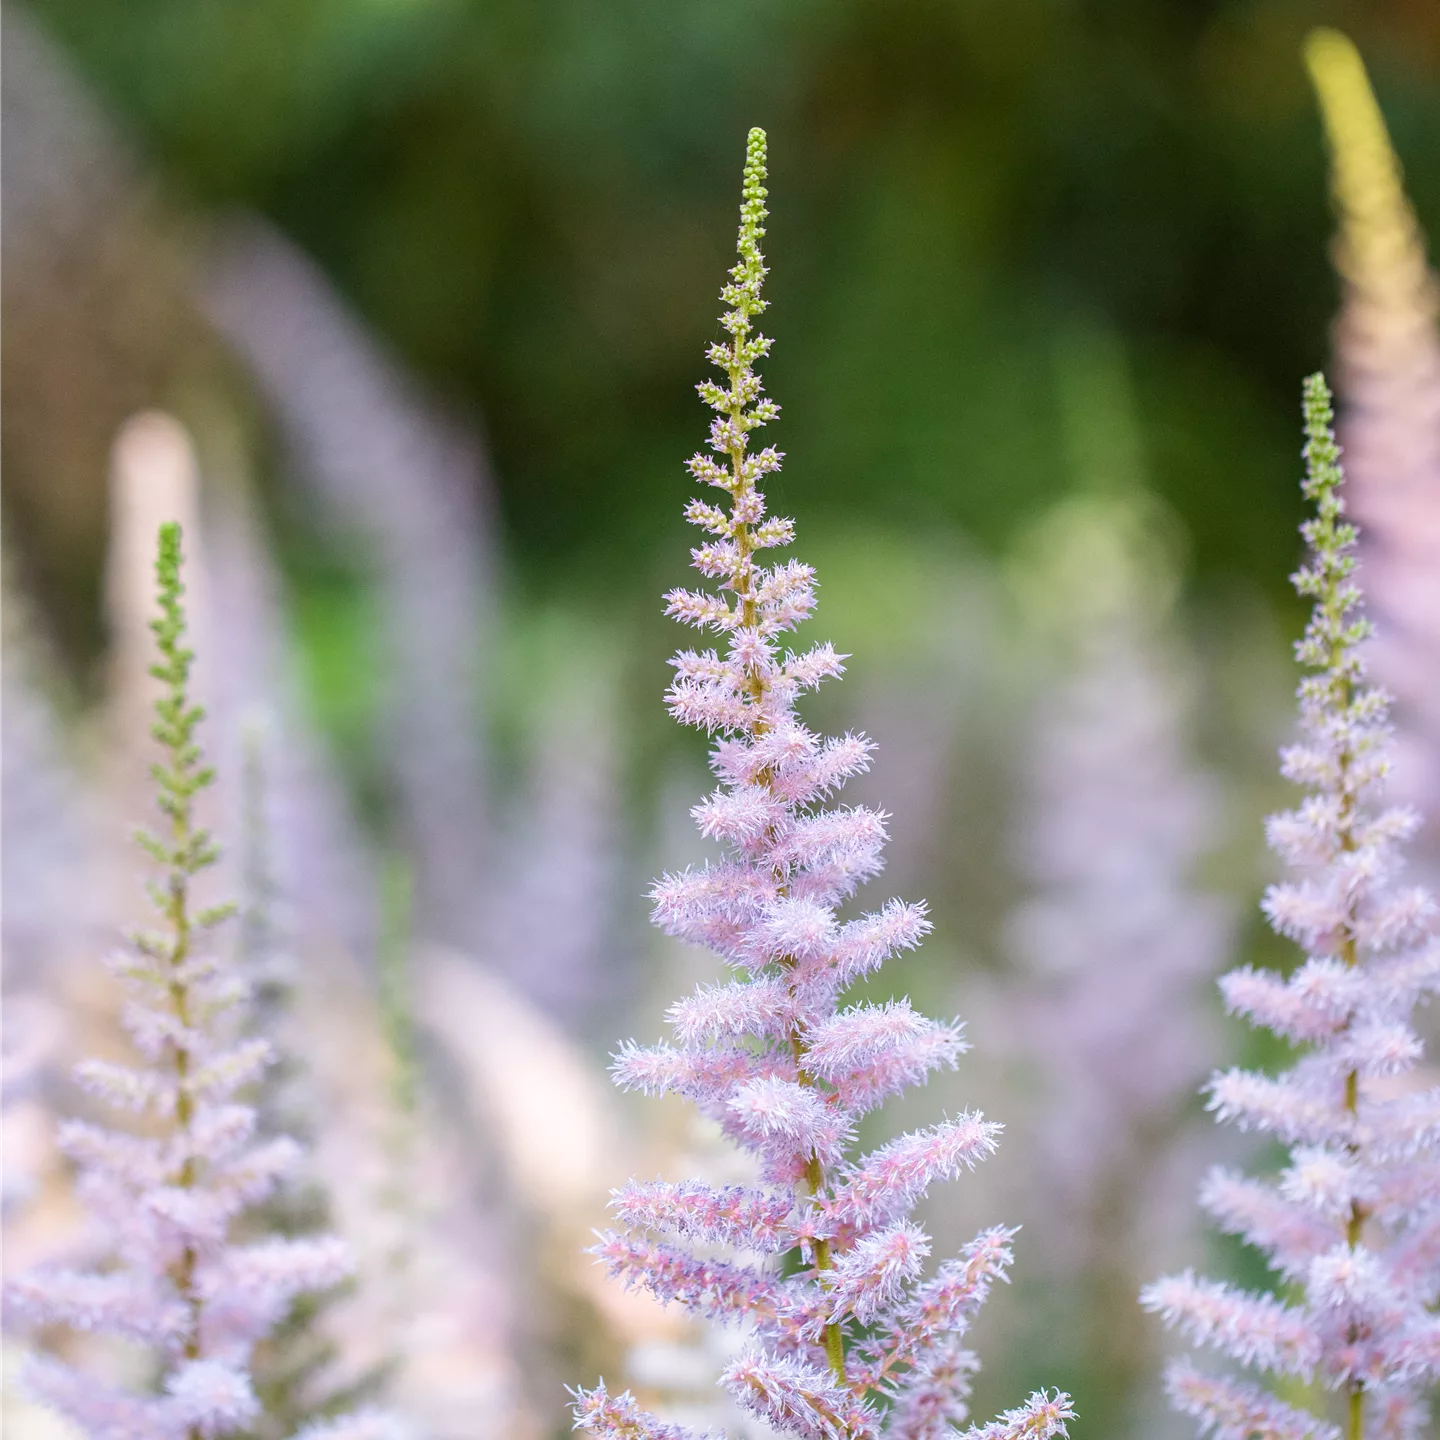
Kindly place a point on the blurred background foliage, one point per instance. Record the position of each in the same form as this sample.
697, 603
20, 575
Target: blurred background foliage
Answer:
533, 201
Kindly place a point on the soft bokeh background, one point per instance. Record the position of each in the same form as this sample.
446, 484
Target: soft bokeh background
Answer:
426, 286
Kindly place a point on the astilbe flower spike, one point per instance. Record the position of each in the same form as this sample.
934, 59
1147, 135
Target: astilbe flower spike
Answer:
849, 1328
292, 1367
1352, 1222
1114, 941
1387, 354
164, 1201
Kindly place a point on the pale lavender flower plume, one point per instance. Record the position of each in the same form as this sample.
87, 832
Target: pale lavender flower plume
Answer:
325, 875
51, 913
857, 1324
547, 928
165, 1198
408, 483
48, 817
1387, 354
1114, 943
30, 1027
69, 172
1351, 1224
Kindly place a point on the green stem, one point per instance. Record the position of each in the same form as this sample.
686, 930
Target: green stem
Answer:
1343, 697
833, 1335
178, 784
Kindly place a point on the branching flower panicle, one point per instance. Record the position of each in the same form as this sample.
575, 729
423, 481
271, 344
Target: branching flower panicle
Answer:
164, 1201
852, 1322
1352, 1222
1387, 354
1114, 942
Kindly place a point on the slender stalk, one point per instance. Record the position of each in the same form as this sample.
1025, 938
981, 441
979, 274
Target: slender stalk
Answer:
741, 489
179, 779
1333, 602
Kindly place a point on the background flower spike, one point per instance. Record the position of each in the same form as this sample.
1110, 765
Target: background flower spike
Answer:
164, 1201
1351, 1224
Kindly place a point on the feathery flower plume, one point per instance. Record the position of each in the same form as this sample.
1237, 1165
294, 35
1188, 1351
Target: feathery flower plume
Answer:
48, 816
165, 1199
1113, 943
1351, 1224
49, 867
828, 1270
558, 846
357, 424
293, 1366
323, 872
1387, 353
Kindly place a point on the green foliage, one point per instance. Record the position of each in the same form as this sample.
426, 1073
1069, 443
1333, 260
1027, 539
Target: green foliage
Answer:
524, 198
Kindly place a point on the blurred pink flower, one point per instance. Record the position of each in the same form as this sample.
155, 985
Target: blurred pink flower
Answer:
164, 1200
1387, 357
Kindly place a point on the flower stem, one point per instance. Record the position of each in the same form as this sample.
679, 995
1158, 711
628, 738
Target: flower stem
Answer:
748, 275
178, 780
1329, 644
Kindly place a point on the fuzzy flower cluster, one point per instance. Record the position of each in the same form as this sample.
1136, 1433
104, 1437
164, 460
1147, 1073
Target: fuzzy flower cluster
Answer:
1114, 947
1113, 940
1387, 348
1351, 1224
163, 1201
850, 1329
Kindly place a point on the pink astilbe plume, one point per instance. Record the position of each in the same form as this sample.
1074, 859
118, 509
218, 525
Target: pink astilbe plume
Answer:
356, 423
850, 1329
1114, 945
1351, 1223
1387, 354
163, 1200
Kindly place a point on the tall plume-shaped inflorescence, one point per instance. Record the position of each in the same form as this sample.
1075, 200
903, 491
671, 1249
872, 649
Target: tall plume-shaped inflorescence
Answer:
845, 1323
1351, 1225
356, 423
1387, 353
1114, 944
164, 1201
293, 1368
